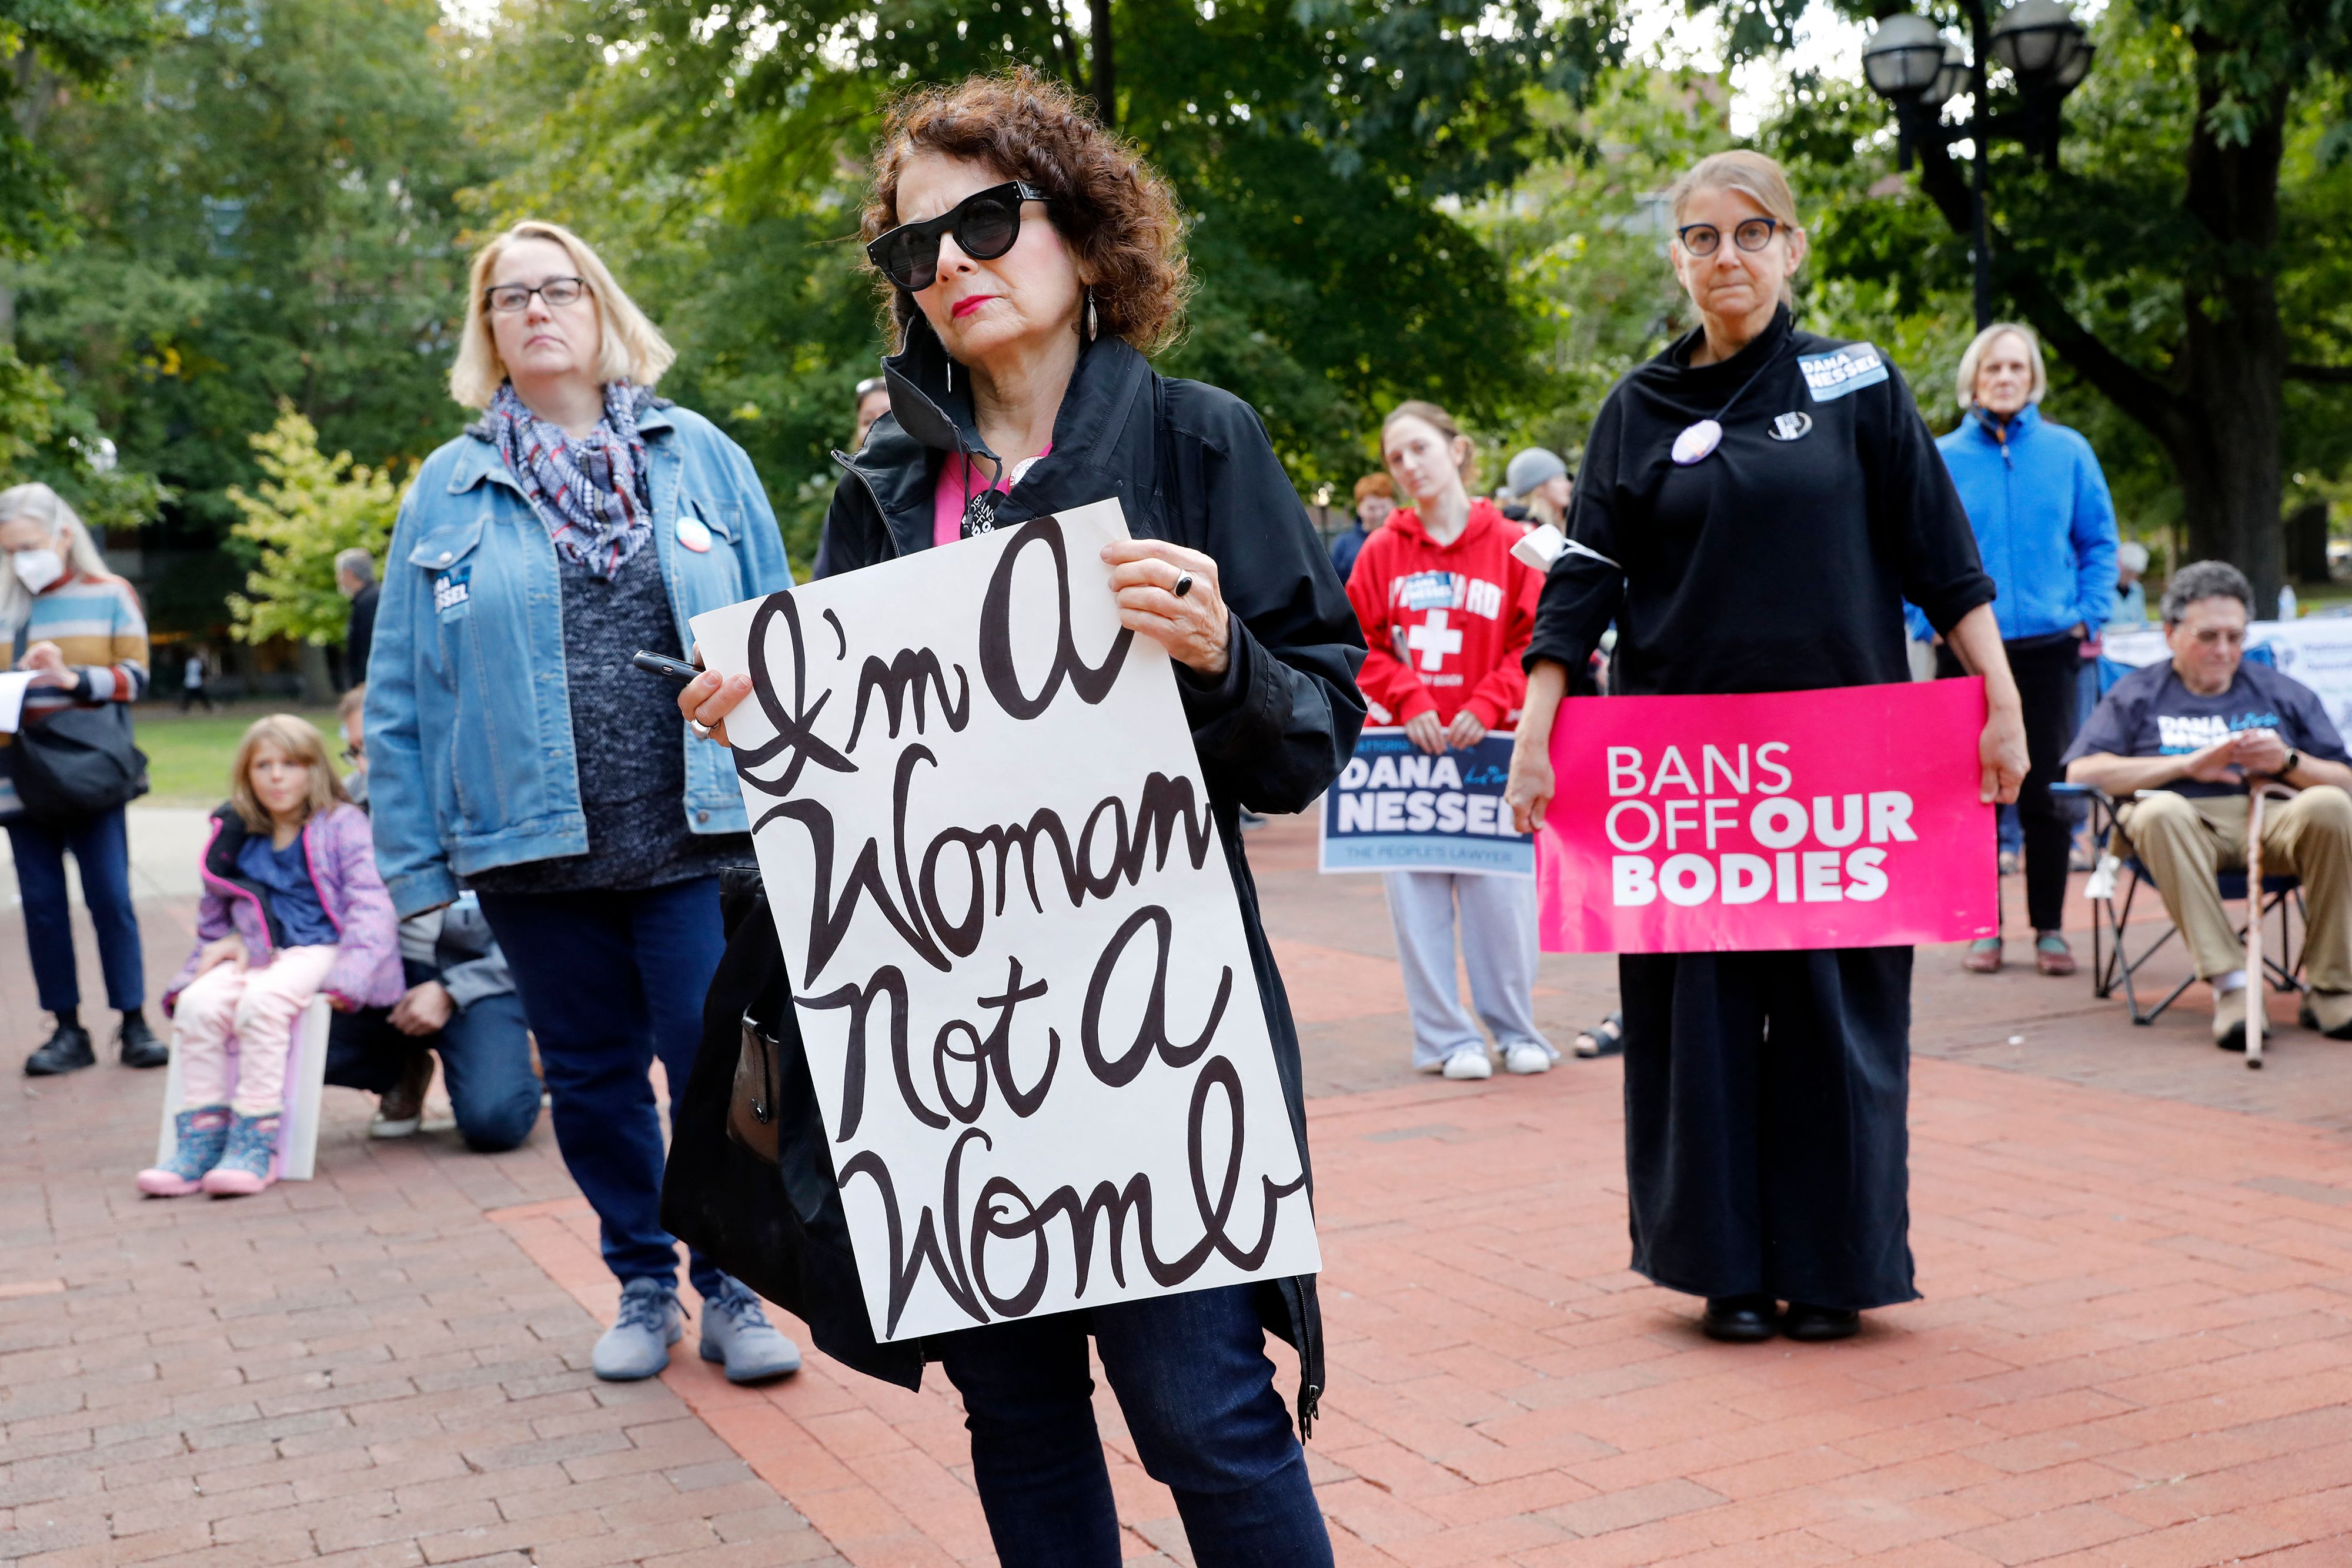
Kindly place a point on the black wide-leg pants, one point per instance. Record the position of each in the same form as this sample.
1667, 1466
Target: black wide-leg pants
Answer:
2049, 673
1767, 1145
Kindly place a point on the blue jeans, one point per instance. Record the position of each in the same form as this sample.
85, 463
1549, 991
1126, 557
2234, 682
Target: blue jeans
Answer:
610, 981
485, 1062
101, 848
1197, 1390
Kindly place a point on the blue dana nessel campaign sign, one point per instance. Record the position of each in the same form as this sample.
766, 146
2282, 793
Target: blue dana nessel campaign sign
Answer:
1397, 808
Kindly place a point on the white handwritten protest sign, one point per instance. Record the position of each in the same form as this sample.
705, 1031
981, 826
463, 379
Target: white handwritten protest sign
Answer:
1014, 946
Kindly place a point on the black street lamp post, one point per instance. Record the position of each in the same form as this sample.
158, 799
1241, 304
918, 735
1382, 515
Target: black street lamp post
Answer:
1911, 66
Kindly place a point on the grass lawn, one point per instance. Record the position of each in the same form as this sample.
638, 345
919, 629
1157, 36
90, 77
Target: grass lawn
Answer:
188, 754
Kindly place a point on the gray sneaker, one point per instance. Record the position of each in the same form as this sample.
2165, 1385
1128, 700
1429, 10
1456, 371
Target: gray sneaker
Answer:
736, 1331
637, 1344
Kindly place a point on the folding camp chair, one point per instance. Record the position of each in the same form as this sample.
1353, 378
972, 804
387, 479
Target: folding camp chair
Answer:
2113, 965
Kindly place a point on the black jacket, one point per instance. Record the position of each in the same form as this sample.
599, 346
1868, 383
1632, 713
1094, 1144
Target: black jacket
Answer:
359, 633
1779, 561
1187, 464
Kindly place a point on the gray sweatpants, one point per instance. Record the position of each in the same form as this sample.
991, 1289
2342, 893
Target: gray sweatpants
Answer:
1498, 944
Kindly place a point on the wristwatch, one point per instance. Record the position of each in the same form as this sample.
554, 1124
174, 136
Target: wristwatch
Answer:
2294, 762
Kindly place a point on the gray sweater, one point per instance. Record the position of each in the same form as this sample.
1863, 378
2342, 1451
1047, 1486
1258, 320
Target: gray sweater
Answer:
630, 747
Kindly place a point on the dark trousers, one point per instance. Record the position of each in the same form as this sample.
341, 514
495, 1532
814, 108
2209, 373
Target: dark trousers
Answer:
1194, 1384
2049, 672
485, 1053
1767, 1146
101, 849
611, 980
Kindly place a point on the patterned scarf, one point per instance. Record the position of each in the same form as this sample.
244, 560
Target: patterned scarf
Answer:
592, 491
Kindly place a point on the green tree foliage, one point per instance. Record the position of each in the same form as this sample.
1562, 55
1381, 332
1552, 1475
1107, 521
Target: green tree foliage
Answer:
53, 48
310, 508
2185, 263
267, 213
1584, 240
716, 149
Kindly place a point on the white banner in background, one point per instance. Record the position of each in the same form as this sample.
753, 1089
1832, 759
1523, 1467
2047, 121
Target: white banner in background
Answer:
2315, 650
1015, 944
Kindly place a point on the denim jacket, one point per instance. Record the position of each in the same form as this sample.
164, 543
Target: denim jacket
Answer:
469, 722
2043, 521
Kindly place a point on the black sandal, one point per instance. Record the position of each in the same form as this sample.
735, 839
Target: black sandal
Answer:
1606, 1038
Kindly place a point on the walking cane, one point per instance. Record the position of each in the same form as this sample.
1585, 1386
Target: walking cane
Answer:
2257, 788
2254, 1019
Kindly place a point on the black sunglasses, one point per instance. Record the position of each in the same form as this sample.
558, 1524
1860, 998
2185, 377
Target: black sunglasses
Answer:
985, 223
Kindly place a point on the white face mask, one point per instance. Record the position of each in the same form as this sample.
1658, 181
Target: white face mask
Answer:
37, 568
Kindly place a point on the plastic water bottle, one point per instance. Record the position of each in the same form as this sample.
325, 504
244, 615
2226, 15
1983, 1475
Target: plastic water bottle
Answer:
2288, 607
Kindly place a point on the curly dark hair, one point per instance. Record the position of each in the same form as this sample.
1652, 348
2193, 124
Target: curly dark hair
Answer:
1117, 216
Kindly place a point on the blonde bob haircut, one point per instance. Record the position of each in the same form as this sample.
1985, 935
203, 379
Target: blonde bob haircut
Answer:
633, 350
1964, 383
299, 742
1754, 176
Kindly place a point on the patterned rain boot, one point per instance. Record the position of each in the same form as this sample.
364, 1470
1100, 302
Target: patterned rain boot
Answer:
250, 1162
201, 1133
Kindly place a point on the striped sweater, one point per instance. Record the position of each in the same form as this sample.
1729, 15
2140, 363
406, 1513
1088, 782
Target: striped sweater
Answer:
97, 624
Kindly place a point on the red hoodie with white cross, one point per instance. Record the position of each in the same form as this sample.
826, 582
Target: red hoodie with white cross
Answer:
1447, 624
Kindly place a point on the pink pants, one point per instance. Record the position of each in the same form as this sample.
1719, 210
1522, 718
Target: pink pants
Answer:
251, 1013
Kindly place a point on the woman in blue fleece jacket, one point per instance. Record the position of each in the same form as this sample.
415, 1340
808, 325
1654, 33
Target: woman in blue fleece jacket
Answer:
2046, 529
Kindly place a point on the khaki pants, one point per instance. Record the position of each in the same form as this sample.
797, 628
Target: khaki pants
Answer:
2186, 842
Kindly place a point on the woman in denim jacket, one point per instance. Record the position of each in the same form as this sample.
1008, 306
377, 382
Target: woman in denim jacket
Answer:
513, 750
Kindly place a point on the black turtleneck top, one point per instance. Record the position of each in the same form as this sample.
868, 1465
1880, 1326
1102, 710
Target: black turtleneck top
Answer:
1781, 560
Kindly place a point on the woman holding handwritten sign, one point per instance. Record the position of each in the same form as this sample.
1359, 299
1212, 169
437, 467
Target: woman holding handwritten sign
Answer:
1756, 505
1028, 258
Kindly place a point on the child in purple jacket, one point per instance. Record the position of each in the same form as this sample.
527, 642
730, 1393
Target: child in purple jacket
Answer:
292, 909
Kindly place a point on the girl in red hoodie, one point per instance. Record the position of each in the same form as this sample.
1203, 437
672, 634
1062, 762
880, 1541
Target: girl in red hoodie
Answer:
1447, 613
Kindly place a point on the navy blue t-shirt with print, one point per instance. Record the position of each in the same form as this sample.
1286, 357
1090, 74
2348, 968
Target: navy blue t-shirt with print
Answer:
2150, 713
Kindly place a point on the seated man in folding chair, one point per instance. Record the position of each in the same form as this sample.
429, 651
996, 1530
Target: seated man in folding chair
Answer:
2191, 731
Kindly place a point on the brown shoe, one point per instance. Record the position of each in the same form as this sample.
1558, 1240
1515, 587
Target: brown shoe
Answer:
2050, 953
401, 1109
1983, 957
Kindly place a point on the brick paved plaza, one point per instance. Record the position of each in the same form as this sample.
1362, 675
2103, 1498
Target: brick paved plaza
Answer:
2135, 1346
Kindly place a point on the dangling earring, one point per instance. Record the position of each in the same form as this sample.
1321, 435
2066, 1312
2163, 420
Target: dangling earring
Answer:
1093, 329
950, 375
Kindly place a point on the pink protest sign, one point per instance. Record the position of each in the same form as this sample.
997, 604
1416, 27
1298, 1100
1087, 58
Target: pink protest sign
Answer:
1846, 818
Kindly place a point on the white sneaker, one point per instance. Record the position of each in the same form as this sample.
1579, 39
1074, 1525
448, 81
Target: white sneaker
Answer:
1528, 1057
1470, 1062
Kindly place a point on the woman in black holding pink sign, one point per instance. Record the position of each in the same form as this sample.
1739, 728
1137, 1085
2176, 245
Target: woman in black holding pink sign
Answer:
1756, 505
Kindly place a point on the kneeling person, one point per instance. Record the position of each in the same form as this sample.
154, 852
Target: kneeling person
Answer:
2192, 730
460, 1002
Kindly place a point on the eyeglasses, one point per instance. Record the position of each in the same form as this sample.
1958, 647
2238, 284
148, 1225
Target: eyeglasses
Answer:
2220, 636
985, 223
1751, 234
506, 298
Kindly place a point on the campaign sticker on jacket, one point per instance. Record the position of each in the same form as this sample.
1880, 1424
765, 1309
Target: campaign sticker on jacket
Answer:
1016, 951
453, 589
1396, 807
1843, 818
1841, 370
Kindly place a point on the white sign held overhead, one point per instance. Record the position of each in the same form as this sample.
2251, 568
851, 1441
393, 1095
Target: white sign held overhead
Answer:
1016, 953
